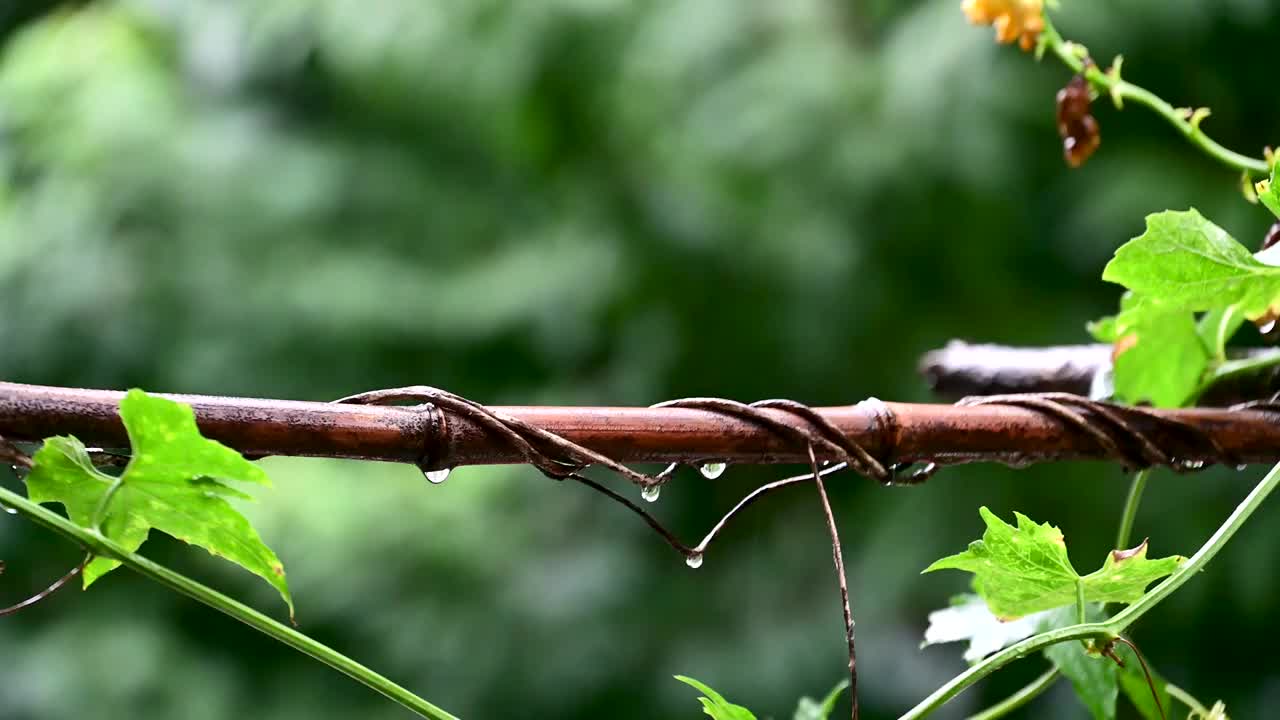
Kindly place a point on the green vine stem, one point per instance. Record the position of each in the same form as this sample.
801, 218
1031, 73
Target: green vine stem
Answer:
1244, 366
95, 543
1120, 90
1015, 701
1131, 503
1113, 627
1185, 698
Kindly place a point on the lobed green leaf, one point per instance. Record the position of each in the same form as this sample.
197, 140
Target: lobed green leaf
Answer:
173, 483
1025, 569
1186, 262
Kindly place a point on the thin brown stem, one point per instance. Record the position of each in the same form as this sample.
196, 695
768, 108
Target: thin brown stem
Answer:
11, 454
652, 522
838, 556
1146, 671
758, 493
49, 590
702, 546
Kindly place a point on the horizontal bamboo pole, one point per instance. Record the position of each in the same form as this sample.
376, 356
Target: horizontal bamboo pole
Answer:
905, 433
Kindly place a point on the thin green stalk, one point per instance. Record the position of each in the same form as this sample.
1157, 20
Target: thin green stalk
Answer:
1113, 627
1185, 698
1017, 651
1212, 547
1080, 606
1130, 511
1028, 693
95, 543
1244, 366
1120, 90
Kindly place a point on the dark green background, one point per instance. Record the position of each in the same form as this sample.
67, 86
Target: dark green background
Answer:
596, 202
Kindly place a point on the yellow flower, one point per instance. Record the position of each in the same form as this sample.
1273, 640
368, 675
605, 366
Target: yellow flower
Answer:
1020, 20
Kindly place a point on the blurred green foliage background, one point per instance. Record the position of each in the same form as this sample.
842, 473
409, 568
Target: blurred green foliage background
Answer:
595, 202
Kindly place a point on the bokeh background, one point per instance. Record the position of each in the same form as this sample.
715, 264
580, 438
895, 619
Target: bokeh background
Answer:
589, 202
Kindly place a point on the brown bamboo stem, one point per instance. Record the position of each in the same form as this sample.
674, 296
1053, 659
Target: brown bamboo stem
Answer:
914, 432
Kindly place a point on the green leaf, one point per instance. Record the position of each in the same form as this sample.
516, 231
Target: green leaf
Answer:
714, 704
810, 709
172, 483
1133, 682
1104, 329
1186, 262
1093, 677
1269, 191
1160, 358
1160, 353
1023, 570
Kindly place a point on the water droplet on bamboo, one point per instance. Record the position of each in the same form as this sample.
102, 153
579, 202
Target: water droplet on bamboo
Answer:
435, 477
924, 473
693, 560
711, 471
651, 493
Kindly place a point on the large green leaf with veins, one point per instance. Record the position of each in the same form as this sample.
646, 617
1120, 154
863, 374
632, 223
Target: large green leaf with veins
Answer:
173, 483
1025, 569
1188, 263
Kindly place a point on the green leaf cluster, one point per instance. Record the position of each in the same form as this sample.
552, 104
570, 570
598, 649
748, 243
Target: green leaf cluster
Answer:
1181, 266
1025, 569
174, 482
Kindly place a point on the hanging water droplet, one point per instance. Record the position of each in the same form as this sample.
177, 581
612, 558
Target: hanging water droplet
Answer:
1192, 464
651, 493
1267, 327
435, 477
8, 509
1241, 467
924, 473
712, 470
693, 560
